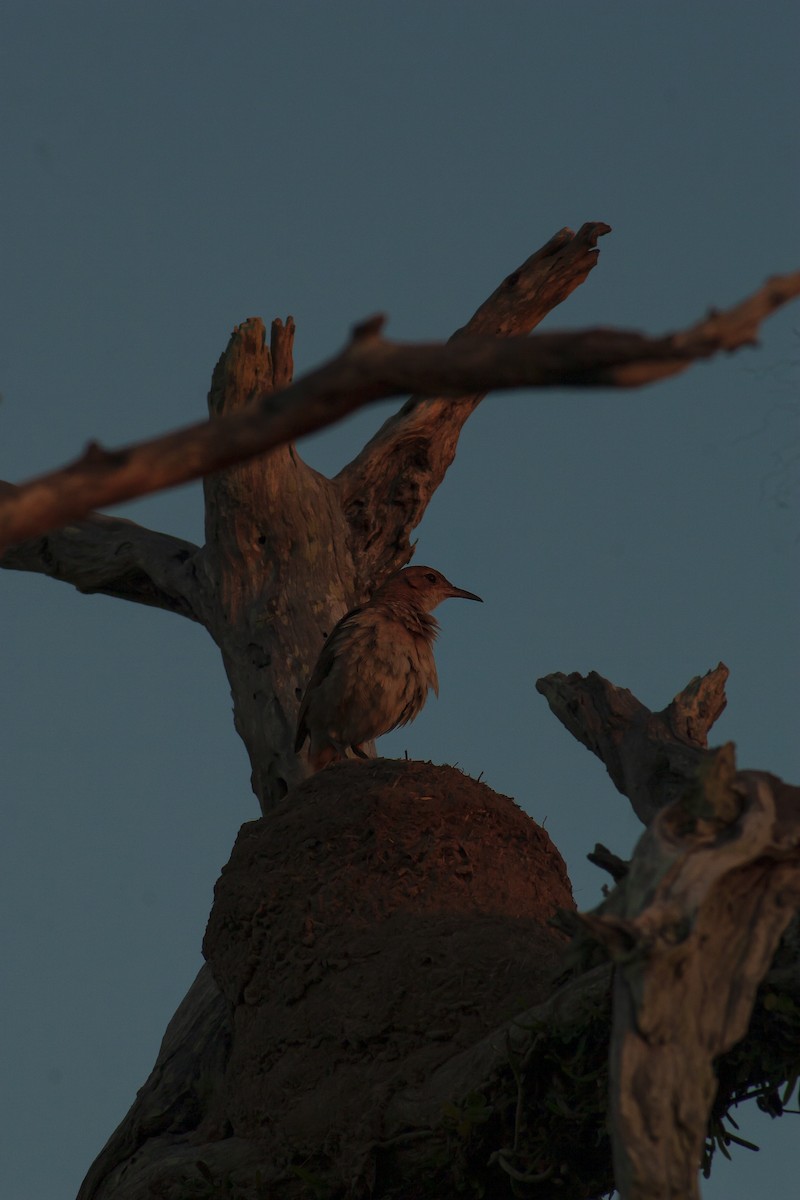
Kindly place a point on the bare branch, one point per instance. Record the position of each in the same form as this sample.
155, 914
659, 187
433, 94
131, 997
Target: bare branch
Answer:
652, 758
387, 487
369, 369
114, 557
693, 929
604, 858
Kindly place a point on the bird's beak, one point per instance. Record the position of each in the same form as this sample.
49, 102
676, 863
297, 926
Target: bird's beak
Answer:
455, 592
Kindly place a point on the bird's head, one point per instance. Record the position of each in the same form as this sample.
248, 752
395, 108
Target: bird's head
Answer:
422, 587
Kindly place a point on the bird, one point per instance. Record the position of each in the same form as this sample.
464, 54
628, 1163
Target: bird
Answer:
376, 667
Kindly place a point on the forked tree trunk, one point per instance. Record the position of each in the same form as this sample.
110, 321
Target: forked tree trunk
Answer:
378, 1013
277, 565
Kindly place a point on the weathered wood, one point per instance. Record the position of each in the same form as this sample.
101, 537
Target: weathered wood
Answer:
692, 929
282, 560
651, 757
407, 459
287, 552
369, 369
700, 925
695, 922
276, 563
114, 557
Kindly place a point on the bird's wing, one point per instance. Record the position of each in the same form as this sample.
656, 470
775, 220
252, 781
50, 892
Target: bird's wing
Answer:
322, 669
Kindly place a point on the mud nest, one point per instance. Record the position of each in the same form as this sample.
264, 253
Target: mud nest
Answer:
385, 916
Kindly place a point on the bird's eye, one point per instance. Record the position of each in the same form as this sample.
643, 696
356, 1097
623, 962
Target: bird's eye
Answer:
431, 578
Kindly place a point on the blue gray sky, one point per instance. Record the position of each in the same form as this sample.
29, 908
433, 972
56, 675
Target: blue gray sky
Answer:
171, 168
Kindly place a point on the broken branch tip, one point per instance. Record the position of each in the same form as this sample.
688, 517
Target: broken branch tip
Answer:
369, 328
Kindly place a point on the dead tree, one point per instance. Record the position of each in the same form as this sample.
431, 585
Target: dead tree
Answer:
301, 1060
